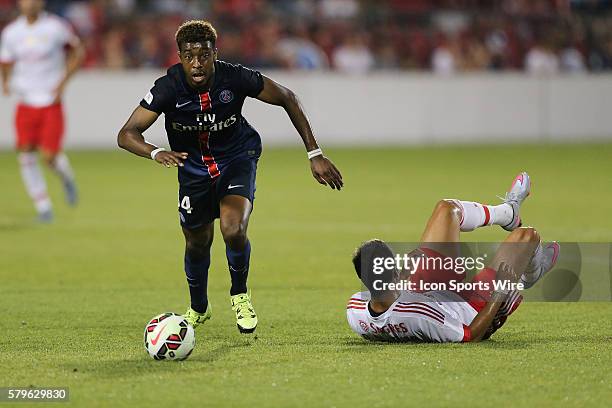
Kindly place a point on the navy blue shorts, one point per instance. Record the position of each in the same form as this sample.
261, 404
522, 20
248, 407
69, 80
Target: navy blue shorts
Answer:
199, 205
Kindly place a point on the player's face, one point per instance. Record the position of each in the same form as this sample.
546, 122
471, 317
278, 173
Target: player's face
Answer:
31, 7
198, 60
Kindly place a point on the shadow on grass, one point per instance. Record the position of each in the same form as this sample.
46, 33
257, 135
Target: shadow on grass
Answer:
359, 345
143, 365
9, 225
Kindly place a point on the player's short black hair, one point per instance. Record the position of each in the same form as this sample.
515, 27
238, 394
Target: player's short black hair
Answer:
195, 31
363, 261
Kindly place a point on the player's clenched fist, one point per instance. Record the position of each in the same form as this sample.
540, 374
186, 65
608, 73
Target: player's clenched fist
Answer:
171, 159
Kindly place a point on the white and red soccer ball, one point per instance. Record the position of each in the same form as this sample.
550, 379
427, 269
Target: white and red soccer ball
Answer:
168, 336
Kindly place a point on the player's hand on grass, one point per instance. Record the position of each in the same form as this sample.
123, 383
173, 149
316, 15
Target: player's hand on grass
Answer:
324, 171
171, 159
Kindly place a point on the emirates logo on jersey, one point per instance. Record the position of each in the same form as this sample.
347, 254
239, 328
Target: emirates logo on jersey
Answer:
364, 326
226, 96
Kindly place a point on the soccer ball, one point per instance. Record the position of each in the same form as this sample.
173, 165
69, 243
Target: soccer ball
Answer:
168, 336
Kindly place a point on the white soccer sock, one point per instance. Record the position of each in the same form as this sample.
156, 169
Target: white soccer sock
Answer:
34, 181
61, 165
475, 215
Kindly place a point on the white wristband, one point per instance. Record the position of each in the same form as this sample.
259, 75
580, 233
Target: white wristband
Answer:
314, 153
154, 152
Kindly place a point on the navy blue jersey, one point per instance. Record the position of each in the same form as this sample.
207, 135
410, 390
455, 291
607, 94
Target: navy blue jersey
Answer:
209, 126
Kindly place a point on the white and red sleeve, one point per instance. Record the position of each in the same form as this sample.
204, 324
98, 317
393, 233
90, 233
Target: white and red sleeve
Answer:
356, 313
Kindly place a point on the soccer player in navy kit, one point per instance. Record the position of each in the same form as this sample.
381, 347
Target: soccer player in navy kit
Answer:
216, 152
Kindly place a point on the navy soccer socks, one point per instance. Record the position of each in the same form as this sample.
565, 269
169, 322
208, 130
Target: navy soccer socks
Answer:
196, 269
238, 262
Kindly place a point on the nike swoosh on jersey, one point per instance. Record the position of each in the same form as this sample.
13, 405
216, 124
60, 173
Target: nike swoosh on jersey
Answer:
237, 185
182, 104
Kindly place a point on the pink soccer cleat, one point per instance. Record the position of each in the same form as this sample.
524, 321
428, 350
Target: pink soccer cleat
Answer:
537, 268
519, 191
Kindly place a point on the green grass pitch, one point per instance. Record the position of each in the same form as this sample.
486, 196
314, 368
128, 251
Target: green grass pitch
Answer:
75, 295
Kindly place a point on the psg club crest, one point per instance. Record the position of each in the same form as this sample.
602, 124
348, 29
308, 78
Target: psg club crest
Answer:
226, 96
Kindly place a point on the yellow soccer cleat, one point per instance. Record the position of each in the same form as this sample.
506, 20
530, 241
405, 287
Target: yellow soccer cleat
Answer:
246, 319
195, 319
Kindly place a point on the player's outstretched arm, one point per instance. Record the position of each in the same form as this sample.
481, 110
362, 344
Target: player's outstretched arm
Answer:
484, 318
131, 139
323, 170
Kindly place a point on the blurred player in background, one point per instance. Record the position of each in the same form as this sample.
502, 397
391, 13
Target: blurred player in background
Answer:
38, 54
216, 150
442, 315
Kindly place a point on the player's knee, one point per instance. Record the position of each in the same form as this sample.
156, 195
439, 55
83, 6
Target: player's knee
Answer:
198, 243
446, 208
26, 149
196, 249
234, 233
525, 234
49, 159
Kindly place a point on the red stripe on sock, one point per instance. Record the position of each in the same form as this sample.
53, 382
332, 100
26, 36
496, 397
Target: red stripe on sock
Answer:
487, 215
467, 334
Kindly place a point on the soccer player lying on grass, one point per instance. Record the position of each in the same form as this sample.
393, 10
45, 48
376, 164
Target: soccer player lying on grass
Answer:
383, 313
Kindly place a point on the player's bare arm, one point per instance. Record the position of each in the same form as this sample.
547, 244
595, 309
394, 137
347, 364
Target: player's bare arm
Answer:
6, 68
5, 71
323, 170
74, 58
484, 318
131, 138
